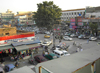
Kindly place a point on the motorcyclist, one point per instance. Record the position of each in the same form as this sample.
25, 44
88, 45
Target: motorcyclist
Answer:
17, 63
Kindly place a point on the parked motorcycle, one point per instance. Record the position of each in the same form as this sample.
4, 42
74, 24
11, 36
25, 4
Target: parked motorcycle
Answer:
16, 64
32, 61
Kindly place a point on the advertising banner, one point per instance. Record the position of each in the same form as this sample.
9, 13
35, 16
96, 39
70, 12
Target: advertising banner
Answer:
80, 24
72, 20
72, 23
16, 36
79, 19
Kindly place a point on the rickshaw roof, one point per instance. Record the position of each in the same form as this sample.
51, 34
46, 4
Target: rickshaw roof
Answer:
10, 65
1, 69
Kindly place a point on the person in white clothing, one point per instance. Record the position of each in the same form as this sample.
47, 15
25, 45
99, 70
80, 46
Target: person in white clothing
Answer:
81, 49
78, 49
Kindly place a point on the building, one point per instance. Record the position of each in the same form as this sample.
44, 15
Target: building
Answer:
25, 18
7, 17
68, 14
92, 12
17, 42
87, 61
24, 69
0, 19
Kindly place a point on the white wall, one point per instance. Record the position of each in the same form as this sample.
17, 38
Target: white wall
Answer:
71, 14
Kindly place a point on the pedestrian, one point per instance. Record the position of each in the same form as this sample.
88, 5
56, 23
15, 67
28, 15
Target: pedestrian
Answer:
77, 49
87, 41
81, 49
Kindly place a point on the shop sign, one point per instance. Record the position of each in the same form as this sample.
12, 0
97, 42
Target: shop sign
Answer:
72, 20
72, 23
80, 24
16, 40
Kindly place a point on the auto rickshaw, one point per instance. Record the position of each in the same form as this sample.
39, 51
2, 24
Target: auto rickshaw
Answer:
1, 70
9, 67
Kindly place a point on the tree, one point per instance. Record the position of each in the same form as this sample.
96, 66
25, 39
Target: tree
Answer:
47, 14
93, 27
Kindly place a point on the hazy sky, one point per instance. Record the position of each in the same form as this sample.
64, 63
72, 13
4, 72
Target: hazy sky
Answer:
31, 5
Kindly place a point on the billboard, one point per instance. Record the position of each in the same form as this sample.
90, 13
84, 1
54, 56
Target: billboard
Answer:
79, 19
72, 20
16, 38
72, 23
80, 24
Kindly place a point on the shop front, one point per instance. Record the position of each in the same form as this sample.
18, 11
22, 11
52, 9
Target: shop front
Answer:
26, 51
6, 51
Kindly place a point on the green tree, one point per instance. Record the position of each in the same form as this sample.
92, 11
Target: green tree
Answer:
47, 14
93, 27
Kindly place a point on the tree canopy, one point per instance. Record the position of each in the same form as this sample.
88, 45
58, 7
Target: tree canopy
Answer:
93, 27
47, 14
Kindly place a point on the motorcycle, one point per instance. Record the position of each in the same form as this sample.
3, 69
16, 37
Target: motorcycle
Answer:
32, 61
16, 64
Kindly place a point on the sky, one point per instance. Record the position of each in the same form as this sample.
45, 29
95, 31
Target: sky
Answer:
31, 5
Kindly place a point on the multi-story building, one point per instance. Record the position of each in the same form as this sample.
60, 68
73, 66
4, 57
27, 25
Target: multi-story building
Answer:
7, 17
0, 18
68, 14
24, 18
92, 12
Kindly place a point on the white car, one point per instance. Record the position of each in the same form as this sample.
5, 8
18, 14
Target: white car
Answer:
92, 39
46, 42
72, 35
67, 38
47, 32
65, 53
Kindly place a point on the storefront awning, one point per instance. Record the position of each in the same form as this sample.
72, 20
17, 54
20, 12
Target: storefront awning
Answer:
6, 47
33, 46
21, 48
26, 43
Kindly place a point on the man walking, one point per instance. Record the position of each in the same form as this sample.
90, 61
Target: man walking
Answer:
87, 41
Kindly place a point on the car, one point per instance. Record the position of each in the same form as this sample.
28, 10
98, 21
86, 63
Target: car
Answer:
46, 42
39, 58
65, 53
67, 34
51, 56
46, 36
73, 35
67, 38
92, 38
81, 36
47, 32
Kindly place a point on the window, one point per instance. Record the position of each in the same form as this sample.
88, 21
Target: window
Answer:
7, 33
75, 13
72, 13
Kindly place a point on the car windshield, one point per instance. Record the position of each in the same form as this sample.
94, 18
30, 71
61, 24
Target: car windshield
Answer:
42, 59
62, 54
66, 37
66, 52
45, 43
57, 46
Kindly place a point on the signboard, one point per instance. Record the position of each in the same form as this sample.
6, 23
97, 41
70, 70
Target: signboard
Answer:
80, 24
16, 38
72, 20
72, 23
80, 20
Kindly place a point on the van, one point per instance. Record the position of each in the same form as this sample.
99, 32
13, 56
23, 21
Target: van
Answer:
65, 53
58, 53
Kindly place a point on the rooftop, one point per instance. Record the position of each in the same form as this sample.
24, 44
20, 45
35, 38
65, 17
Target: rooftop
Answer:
73, 9
73, 62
